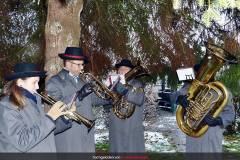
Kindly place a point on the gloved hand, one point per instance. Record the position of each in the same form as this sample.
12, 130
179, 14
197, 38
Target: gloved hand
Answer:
212, 122
85, 91
120, 88
182, 100
57, 110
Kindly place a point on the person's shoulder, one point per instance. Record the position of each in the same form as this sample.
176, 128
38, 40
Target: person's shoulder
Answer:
4, 100
59, 77
5, 104
53, 80
185, 86
137, 83
54, 77
8, 110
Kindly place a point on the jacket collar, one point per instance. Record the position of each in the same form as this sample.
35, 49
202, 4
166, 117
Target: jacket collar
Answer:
28, 94
66, 77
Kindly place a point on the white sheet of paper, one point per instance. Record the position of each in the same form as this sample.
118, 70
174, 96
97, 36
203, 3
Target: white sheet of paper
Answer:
185, 74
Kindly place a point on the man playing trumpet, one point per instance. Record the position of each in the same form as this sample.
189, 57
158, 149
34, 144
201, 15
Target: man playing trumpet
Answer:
62, 87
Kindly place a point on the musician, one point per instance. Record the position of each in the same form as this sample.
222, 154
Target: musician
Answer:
211, 141
127, 135
24, 125
62, 87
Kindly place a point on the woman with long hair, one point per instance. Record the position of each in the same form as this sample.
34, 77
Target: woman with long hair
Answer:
25, 127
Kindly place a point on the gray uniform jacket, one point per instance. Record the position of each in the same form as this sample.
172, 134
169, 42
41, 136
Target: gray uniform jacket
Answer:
25, 130
76, 139
211, 141
127, 135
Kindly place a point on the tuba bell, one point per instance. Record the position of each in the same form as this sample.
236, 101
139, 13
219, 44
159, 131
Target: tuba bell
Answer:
205, 97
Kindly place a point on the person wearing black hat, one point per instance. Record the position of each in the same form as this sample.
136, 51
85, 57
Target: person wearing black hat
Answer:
62, 87
211, 141
127, 135
24, 125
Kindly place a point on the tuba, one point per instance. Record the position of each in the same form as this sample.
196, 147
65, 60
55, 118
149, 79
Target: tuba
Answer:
72, 115
205, 97
121, 108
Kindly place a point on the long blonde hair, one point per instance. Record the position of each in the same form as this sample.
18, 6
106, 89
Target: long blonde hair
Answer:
14, 92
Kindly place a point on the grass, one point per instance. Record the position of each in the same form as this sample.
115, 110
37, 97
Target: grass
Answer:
232, 142
231, 145
102, 147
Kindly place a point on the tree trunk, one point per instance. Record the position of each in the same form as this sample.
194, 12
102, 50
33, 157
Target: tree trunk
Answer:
62, 29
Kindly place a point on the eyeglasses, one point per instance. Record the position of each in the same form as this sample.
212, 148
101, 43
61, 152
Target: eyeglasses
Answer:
79, 65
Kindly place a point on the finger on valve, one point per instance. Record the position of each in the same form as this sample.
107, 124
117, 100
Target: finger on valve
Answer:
73, 107
57, 110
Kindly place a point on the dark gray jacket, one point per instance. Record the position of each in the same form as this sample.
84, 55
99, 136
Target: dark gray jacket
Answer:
127, 135
76, 139
26, 130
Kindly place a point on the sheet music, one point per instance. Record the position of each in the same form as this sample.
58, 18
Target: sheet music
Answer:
185, 74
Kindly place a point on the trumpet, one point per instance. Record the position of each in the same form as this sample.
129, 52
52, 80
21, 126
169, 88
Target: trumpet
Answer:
71, 115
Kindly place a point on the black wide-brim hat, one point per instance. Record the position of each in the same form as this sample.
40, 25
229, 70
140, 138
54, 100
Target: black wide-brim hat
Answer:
74, 53
125, 62
22, 70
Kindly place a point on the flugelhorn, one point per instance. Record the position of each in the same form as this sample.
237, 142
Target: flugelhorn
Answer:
71, 115
121, 108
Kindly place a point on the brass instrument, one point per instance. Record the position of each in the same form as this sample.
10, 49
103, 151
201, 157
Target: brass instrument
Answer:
205, 97
121, 107
136, 72
100, 89
71, 115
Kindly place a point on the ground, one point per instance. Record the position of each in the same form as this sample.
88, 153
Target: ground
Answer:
161, 132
